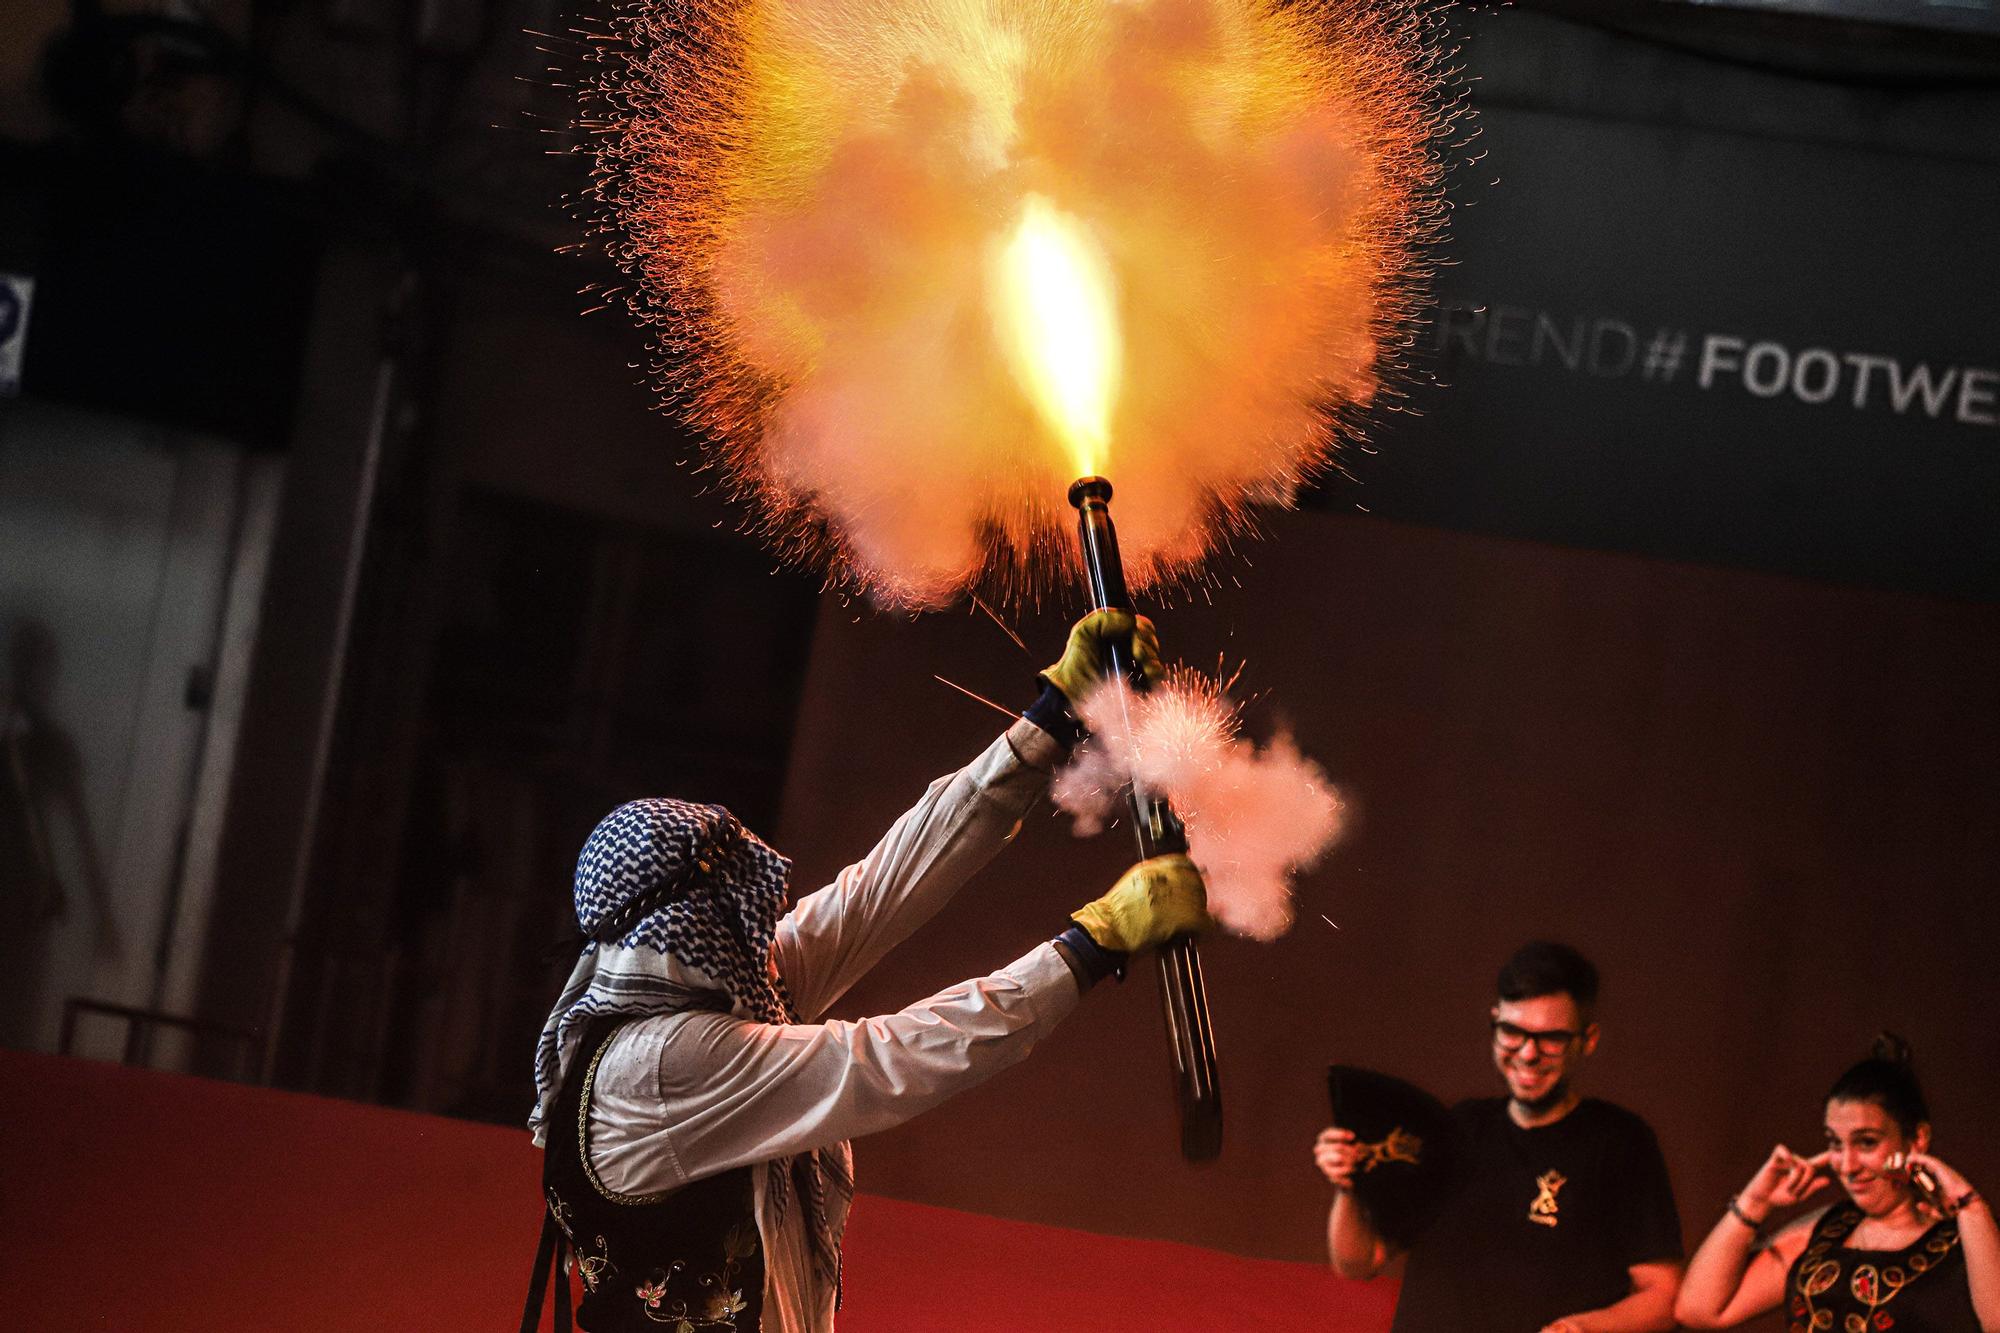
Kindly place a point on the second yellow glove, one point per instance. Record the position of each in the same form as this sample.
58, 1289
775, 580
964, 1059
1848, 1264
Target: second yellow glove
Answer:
1153, 902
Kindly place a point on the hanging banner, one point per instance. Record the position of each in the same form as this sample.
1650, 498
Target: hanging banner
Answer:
1768, 353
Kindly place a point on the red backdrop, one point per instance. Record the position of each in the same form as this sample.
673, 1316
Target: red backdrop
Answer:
133, 1200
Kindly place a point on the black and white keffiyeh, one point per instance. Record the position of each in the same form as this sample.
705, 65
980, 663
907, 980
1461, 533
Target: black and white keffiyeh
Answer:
706, 946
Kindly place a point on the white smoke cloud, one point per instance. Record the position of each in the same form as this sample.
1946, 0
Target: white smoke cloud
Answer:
1256, 816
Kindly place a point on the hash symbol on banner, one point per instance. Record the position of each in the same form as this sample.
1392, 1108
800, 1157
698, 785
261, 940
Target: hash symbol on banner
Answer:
15, 292
1663, 354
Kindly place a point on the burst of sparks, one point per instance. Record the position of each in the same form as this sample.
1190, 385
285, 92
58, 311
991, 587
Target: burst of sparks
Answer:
831, 209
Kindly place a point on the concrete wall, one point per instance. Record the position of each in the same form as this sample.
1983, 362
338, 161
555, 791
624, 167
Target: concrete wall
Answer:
121, 545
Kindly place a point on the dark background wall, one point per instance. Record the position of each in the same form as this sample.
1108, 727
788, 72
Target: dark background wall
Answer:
1705, 309
1699, 671
1766, 807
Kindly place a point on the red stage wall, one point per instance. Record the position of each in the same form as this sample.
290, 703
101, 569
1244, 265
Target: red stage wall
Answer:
139, 1201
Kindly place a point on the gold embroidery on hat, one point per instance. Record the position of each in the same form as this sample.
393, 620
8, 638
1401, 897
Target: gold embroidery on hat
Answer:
1398, 1146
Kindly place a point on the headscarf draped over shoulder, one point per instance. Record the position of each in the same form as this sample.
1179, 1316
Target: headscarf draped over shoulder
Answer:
695, 900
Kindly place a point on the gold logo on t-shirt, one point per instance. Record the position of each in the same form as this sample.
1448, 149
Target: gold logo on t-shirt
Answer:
1542, 1211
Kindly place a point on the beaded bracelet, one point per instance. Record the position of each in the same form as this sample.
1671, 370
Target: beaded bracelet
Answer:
1736, 1211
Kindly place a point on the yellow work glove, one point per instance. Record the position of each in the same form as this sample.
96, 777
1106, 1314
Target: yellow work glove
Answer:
1083, 666
1154, 901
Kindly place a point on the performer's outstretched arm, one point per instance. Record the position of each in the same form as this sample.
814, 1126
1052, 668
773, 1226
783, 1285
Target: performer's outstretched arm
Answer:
732, 1091
830, 939
687, 1095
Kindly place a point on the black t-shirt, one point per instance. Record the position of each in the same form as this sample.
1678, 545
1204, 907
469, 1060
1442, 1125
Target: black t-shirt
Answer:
1546, 1223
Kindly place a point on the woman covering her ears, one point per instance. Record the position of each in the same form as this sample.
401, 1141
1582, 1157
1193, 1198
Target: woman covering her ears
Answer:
1910, 1248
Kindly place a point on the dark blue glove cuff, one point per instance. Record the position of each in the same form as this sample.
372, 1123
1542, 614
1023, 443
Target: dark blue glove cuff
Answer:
1097, 961
1051, 712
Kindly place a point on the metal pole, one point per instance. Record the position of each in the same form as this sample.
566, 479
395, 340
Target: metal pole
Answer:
1183, 995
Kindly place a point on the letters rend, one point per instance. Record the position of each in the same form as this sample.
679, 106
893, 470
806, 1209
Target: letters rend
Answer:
1507, 335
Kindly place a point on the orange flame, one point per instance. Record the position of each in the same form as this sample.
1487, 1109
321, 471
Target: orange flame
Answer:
916, 264
1054, 306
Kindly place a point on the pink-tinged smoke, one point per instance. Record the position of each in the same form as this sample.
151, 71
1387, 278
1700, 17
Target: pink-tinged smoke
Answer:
811, 198
1255, 816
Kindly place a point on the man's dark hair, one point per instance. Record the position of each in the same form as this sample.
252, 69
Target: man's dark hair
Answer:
1887, 1079
1544, 968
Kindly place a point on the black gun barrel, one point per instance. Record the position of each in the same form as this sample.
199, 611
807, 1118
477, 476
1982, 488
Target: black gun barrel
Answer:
1183, 994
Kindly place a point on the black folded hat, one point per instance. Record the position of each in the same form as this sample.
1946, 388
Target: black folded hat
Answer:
1414, 1150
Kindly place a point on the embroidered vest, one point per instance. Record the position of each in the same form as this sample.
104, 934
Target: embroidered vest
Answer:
687, 1260
1919, 1289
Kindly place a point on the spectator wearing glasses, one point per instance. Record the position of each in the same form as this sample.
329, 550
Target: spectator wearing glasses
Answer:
1564, 1221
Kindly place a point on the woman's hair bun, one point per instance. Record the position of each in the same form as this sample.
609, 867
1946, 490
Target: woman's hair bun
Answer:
1891, 1049
1886, 1079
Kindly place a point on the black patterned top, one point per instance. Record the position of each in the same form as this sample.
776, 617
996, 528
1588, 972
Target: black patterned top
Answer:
1921, 1288
686, 1261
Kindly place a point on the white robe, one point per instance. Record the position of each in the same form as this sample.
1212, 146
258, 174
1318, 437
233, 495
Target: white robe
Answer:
686, 1095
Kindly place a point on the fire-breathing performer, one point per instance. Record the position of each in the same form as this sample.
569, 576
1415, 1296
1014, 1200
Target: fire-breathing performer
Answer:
694, 1103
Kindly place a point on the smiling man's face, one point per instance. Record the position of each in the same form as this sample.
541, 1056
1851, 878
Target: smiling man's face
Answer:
1538, 1044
